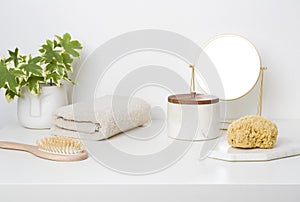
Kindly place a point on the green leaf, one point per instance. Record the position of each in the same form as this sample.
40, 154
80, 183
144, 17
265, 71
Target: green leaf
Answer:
55, 68
32, 67
66, 58
70, 46
10, 95
55, 78
7, 77
51, 67
19, 75
23, 58
8, 59
68, 68
56, 44
60, 69
34, 60
50, 53
14, 55
76, 45
67, 78
34, 84
23, 82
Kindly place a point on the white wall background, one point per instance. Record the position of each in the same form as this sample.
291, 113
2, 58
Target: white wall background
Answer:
273, 26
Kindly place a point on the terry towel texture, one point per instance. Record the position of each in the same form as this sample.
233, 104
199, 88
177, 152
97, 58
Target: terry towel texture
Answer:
107, 116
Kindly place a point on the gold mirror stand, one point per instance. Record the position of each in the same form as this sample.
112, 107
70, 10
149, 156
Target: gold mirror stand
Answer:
192, 84
260, 96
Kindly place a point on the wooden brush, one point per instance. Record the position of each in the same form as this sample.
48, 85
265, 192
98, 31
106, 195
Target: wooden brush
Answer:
56, 148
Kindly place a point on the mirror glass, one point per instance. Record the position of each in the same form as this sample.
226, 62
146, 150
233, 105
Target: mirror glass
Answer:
237, 62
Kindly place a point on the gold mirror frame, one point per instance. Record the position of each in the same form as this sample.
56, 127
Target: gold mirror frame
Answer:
260, 76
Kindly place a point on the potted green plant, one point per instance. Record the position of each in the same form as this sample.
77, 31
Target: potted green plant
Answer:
36, 81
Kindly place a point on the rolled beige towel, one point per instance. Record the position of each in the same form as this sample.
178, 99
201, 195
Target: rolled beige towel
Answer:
107, 116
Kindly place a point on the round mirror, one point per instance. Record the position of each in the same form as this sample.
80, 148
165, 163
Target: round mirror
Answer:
237, 62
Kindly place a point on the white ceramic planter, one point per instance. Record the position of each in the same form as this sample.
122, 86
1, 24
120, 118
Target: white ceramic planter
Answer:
193, 118
36, 111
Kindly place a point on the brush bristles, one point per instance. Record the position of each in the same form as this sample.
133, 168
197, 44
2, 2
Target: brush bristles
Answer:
60, 145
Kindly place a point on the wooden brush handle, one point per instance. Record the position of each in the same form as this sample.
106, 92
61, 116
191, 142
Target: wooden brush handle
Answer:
16, 146
42, 154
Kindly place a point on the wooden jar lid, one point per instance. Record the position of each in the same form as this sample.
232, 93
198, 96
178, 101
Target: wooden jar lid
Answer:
197, 99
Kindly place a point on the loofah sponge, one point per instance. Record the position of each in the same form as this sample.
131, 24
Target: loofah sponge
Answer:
252, 132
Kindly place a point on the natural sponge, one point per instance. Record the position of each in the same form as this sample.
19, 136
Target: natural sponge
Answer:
252, 132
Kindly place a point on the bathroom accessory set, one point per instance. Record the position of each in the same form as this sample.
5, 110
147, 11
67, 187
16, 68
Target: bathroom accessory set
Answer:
238, 64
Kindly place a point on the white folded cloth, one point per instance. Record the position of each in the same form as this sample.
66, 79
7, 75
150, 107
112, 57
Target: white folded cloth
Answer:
107, 116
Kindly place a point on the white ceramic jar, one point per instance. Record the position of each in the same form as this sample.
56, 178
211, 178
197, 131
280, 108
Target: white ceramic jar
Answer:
193, 117
36, 111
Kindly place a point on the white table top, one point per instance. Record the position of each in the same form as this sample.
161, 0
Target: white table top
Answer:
20, 168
